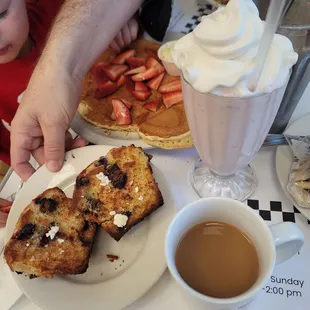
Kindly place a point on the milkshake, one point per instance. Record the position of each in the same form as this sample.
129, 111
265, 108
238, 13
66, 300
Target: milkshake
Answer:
228, 117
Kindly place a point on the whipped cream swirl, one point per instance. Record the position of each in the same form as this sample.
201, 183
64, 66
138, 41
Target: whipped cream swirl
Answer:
219, 55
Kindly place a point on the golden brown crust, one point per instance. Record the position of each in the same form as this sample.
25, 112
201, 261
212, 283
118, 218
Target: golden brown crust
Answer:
133, 191
31, 252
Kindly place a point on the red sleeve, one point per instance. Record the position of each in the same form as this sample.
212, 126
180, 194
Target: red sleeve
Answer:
14, 76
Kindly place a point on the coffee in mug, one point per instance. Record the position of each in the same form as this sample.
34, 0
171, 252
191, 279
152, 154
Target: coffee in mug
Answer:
217, 259
223, 241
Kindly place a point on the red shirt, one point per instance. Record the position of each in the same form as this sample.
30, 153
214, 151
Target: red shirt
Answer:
14, 76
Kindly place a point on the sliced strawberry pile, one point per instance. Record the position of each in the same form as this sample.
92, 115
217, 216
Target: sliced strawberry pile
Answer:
122, 58
140, 77
111, 77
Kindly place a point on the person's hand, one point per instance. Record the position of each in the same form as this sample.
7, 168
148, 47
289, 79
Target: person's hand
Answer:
128, 34
51, 99
40, 125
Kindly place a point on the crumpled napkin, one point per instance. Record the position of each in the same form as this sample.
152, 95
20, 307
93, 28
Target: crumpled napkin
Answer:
299, 178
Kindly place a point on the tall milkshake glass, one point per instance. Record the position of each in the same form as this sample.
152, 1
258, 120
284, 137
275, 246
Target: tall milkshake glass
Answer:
227, 132
235, 71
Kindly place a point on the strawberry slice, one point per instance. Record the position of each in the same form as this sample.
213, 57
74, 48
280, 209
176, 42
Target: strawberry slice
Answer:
98, 73
127, 103
171, 87
136, 70
122, 113
139, 86
153, 105
113, 72
155, 82
152, 63
172, 98
106, 89
130, 85
121, 58
121, 81
148, 74
135, 62
142, 96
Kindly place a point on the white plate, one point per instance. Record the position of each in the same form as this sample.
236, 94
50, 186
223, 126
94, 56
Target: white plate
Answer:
284, 157
105, 285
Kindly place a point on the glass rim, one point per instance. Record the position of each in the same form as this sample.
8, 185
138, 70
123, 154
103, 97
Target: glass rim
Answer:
236, 97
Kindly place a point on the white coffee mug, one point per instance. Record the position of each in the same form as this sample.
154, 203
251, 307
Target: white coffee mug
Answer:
274, 245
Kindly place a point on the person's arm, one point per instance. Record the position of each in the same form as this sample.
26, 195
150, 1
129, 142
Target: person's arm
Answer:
82, 30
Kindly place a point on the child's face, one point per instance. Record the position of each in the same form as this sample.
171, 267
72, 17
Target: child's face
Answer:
14, 29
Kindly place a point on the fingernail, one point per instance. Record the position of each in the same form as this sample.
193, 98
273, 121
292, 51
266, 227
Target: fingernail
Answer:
53, 165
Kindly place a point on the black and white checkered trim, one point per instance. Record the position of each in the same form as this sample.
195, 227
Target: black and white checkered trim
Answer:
275, 212
196, 19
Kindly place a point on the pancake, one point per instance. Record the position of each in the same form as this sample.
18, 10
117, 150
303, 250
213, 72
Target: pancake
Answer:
165, 128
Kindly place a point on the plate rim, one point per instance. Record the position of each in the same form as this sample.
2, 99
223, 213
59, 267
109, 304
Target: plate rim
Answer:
143, 287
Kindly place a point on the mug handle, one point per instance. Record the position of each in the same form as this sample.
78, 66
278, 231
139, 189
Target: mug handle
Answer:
288, 239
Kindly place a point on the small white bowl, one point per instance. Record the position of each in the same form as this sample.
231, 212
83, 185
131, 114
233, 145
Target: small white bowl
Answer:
164, 54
